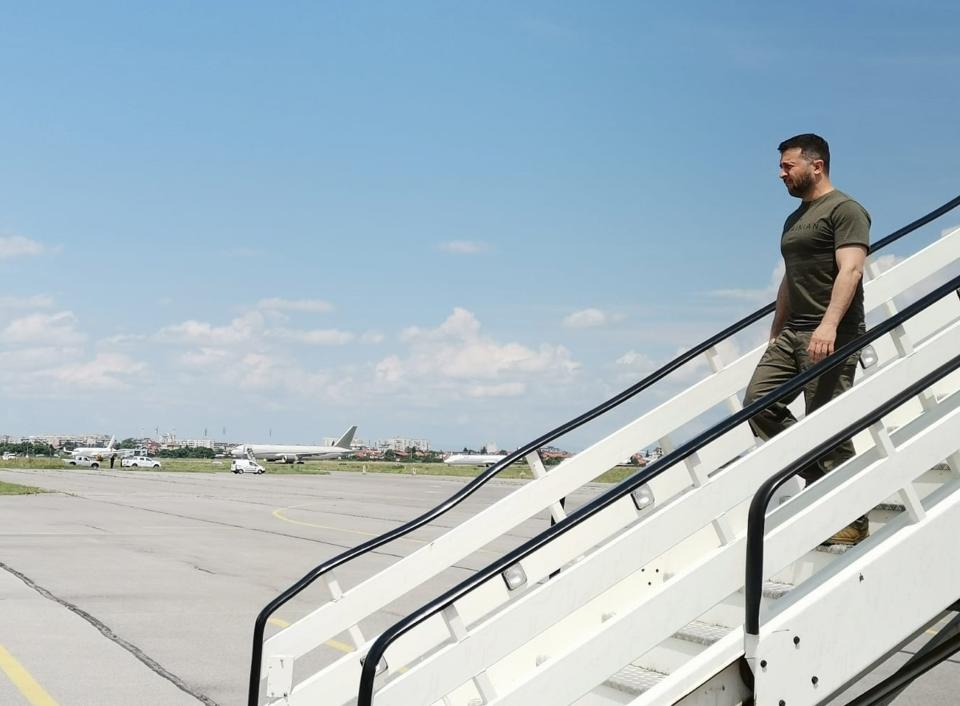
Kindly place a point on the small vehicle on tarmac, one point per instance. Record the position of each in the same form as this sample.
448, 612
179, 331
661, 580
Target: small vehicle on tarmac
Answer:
84, 461
139, 462
245, 465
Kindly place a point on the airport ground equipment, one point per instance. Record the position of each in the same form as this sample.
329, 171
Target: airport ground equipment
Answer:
637, 597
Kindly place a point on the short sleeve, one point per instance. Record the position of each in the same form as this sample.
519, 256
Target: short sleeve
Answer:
851, 225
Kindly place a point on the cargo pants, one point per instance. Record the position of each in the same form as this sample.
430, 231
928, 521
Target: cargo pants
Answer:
785, 358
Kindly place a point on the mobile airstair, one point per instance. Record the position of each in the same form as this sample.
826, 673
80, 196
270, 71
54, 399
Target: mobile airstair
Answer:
700, 579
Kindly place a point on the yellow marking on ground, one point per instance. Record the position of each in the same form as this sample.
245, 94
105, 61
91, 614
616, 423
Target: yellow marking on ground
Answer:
278, 513
335, 644
24, 681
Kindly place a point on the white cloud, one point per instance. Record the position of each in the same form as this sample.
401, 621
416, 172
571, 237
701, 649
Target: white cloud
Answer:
390, 369
590, 318
636, 361
460, 324
57, 329
106, 371
456, 356
31, 359
464, 247
239, 330
754, 296
316, 337
371, 337
122, 339
280, 377
633, 365
38, 301
507, 389
12, 246
303, 305
885, 262
204, 357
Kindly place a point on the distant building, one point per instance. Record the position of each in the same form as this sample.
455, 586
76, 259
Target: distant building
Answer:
196, 443
168, 440
58, 440
398, 444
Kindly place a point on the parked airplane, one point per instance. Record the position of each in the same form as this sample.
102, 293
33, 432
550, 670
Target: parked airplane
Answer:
295, 453
98, 452
474, 459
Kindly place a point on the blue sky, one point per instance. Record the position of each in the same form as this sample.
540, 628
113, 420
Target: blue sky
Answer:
466, 222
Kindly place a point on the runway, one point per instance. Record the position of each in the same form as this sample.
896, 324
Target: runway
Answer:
142, 587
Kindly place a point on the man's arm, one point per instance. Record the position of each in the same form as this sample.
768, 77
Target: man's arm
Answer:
782, 310
850, 261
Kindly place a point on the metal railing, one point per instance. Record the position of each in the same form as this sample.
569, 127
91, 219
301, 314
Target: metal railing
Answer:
756, 518
588, 510
535, 445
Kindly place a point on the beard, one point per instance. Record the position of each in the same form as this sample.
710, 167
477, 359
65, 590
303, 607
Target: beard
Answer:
801, 186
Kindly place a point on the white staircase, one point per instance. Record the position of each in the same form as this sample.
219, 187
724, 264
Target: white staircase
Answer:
648, 605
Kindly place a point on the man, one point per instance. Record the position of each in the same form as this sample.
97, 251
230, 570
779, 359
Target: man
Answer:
819, 303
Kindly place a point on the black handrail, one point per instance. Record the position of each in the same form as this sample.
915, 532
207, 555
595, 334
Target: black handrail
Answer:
910, 227
480, 480
373, 657
756, 522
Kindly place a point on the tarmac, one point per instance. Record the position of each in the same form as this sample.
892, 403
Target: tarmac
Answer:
142, 587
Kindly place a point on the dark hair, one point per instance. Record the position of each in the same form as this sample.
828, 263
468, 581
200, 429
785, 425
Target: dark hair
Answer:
811, 147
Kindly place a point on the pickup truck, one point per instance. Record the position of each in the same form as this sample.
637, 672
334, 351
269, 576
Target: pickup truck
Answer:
85, 461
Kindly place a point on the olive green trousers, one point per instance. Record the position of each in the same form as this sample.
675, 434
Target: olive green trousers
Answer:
785, 358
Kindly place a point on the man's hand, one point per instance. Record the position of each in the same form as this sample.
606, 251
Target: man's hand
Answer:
822, 342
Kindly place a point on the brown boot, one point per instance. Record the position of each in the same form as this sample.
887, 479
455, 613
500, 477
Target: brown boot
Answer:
854, 533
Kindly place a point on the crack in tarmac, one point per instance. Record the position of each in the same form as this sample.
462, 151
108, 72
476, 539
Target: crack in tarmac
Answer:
151, 663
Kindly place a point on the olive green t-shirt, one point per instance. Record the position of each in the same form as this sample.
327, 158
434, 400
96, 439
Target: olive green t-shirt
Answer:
811, 236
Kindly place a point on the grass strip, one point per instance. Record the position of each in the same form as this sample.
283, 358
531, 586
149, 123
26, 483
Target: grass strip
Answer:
15, 489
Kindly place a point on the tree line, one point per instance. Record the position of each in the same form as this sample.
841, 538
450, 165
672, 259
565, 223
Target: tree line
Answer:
28, 448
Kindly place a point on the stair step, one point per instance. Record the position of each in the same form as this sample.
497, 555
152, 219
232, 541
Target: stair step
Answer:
652, 667
833, 548
634, 680
776, 589
729, 611
702, 633
681, 647
771, 589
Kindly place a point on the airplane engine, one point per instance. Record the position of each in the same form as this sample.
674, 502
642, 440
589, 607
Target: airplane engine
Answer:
289, 459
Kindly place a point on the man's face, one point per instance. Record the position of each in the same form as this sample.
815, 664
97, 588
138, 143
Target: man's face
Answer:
798, 173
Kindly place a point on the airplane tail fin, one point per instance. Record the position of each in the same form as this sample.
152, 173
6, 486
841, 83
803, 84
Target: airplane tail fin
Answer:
344, 441
113, 441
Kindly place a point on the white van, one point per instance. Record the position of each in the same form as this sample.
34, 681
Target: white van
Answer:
245, 465
139, 462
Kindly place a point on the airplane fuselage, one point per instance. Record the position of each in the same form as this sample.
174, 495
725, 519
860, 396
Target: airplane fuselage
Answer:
474, 459
288, 453
99, 452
